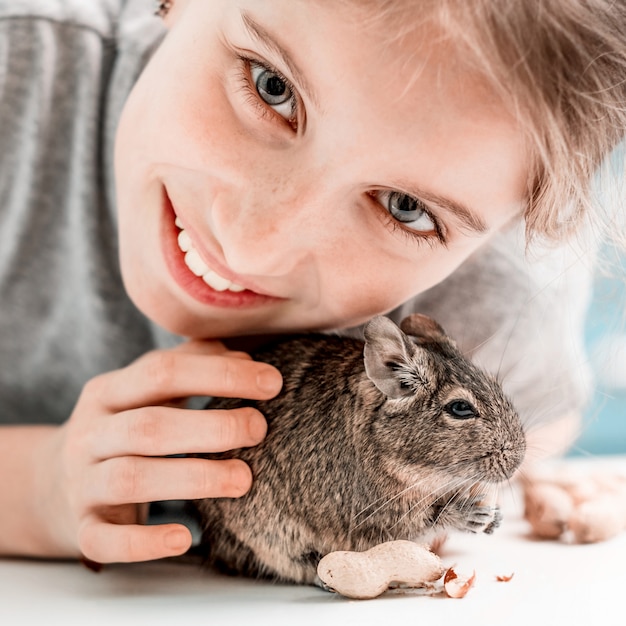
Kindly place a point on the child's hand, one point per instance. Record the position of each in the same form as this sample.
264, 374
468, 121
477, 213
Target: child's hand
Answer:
108, 458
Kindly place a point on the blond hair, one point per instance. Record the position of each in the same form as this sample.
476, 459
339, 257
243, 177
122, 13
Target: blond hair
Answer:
560, 65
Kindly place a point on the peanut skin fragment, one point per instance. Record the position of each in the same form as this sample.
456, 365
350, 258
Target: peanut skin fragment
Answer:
504, 578
364, 575
456, 587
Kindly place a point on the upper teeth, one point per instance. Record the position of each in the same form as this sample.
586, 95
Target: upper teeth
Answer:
195, 263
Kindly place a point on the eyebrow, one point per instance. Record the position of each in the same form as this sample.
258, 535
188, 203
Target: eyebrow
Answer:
264, 37
462, 213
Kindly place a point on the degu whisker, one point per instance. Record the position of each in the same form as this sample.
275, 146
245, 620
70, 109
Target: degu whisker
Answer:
512, 490
469, 482
402, 492
387, 501
451, 485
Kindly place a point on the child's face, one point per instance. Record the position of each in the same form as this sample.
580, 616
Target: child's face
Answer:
327, 168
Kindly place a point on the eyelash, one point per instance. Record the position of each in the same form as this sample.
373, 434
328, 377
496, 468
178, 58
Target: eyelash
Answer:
253, 97
413, 236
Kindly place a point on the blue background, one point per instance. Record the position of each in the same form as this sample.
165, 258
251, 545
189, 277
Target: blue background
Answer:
604, 430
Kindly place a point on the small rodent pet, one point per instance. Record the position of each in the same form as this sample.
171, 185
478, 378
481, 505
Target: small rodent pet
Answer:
396, 437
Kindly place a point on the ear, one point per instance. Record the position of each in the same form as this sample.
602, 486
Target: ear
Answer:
388, 357
424, 328
170, 10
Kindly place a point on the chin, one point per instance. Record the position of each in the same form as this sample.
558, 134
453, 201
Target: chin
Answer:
172, 317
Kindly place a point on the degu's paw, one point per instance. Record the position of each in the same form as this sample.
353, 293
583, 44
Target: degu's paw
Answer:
472, 514
481, 517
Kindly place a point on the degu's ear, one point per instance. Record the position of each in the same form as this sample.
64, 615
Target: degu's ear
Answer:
424, 329
390, 358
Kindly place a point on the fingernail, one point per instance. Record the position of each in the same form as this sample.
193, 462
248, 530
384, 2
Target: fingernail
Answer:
177, 540
269, 381
257, 427
240, 478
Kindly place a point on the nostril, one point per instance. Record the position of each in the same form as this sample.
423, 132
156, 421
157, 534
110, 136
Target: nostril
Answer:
514, 455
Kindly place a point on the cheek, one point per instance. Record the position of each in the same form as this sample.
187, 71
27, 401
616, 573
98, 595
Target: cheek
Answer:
176, 111
375, 281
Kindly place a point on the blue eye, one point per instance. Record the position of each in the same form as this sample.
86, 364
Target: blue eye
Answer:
274, 90
407, 210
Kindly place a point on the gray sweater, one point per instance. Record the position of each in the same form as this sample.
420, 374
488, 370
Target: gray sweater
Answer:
66, 67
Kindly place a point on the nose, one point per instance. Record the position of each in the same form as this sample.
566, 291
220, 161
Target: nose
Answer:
268, 227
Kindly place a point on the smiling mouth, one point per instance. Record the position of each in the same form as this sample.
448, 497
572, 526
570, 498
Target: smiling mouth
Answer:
198, 267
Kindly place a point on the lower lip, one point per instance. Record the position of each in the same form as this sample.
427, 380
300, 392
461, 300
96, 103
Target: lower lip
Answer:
194, 285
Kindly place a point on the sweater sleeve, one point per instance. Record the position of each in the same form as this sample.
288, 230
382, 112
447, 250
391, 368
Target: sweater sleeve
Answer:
64, 315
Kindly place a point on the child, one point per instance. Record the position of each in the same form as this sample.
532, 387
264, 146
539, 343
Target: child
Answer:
278, 165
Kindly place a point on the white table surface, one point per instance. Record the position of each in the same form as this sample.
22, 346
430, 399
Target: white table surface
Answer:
553, 583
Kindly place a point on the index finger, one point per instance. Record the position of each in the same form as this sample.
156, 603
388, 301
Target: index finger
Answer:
209, 347
165, 375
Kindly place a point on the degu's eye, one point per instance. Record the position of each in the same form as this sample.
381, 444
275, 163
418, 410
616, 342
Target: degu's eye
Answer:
408, 210
275, 90
460, 409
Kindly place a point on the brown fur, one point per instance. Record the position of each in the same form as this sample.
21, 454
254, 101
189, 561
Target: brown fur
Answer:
361, 450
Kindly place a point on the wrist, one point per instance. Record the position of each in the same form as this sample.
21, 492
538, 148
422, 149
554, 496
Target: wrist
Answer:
32, 521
